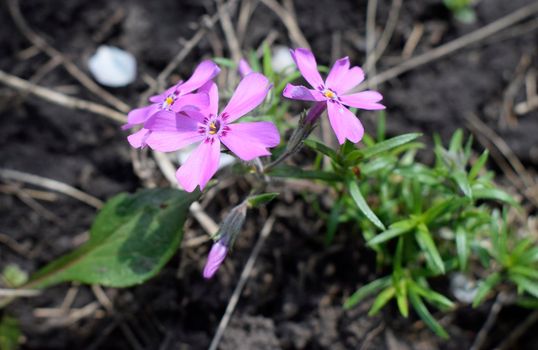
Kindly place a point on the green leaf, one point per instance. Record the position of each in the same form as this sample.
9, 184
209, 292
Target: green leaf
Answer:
321, 148
131, 239
261, 199
526, 284
389, 144
401, 296
462, 247
437, 299
298, 173
362, 205
394, 230
456, 141
485, 287
268, 62
382, 299
442, 207
494, 194
226, 62
333, 221
478, 165
10, 333
367, 290
426, 243
463, 183
425, 315
381, 125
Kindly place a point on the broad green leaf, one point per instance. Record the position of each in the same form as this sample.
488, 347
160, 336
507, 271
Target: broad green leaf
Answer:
131, 239
322, 148
261, 199
425, 315
382, 299
362, 205
298, 173
10, 333
394, 230
478, 165
367, 290
426, 243
389, 144
485, 287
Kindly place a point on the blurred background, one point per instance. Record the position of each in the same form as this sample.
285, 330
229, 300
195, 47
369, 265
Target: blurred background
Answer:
441, 65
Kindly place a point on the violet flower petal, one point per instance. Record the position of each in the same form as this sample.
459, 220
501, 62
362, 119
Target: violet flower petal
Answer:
306, 62
199, 101
364, 100
204, 72
211, 89
337, 74
162, 96
216, 256
344, 123
244, 68
140, 115
162, 121
201, 165
354, 77
250, 93
251, 139
138, 139
170, 141
298, 92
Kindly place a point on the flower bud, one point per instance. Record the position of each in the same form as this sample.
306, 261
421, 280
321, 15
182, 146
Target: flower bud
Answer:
244, 68
229, 229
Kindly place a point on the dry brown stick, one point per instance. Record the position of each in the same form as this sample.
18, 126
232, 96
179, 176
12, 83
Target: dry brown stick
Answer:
52, 185
371, 10
383, 42
456, 44
481, 337
245, 274
246, 9
413, 40
229, 32
78, 74
18, 293
59, 98
289, 21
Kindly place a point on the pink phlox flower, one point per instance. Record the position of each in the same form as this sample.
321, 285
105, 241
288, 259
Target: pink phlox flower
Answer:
174, 100
209, 129
216, 256
244, 68
334, 91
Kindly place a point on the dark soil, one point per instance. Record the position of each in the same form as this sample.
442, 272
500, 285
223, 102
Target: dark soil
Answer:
294, 298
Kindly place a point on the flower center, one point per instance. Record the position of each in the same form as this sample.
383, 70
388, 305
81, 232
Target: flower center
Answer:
329, 94
168, 102
214, 127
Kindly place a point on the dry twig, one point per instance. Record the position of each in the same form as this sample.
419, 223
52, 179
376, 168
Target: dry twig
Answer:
289, 21
59, 98
245, 274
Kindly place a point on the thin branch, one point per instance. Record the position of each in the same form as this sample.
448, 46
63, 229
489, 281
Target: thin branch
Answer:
289, 21
383, 42
52, 185
371, 10
229, 32
59, 98
78, 74
454, 45
245, 274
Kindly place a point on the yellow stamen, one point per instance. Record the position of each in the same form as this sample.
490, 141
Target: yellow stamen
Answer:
329, 94
212, 128
169, 100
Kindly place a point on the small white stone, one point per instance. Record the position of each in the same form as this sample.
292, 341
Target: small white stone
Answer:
282, 60
112, 66
463, 288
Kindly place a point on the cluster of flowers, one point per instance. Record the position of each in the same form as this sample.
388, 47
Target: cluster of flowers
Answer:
187, 113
